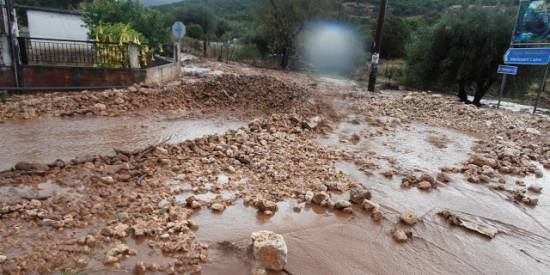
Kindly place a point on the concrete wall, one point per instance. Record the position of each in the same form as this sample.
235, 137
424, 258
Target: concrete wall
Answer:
57, 76
163, 73
60, 76
44, 24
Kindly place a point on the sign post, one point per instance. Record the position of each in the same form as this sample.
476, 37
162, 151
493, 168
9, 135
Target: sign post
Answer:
178, 30
505, 71
530, 56
542, 87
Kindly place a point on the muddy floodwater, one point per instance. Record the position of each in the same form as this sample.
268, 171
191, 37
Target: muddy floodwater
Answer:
322, 241
46, 140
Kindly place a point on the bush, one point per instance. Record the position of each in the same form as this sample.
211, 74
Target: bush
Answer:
248, 52
195, 31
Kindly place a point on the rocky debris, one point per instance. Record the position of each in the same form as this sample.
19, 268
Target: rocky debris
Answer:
358, 195
320, 197
31, 167
443, 177
265, 205
519, 195
269, 250
217, 207
535, 188
408, 217
117, 253
342, 204
424, 185
255, 95
477, 226
119, 230
3, 258
369, 205
401, 236
377, 215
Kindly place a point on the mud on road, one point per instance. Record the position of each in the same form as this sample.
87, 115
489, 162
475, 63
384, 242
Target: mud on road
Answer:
355, 182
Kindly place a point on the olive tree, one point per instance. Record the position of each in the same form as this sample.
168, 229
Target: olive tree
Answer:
463, 48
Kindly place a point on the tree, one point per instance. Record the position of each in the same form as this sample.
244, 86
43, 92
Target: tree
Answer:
279, 22
464, 48
395, 38
195, 31
151, 23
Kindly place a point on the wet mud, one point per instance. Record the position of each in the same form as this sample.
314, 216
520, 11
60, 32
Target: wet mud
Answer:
45, 140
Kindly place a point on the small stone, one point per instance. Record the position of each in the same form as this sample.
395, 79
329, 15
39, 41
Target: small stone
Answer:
218, 207
3, 258
269, 249
424, 185
400, 236
140, 268
268, 212
100, 107
195, 204
348, 210
530, 201
443, 177
309, 196
320, 197
265, 205
535, 188
520, 183
358, 195
369, 205
377, 215
408, 217
341, 204
107, 180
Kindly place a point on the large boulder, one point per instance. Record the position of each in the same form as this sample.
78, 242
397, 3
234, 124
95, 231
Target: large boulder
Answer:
269, 250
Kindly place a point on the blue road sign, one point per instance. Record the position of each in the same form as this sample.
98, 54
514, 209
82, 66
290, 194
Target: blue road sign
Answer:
178, 30
527, 56
511, 70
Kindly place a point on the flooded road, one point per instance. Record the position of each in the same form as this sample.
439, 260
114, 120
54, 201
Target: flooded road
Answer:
322, 241
46, 140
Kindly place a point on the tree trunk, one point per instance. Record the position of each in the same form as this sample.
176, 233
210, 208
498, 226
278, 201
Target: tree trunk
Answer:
462, 95
284, 59
481, 90
204, 47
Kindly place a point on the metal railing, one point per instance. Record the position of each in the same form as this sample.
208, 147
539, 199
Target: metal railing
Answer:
45, 51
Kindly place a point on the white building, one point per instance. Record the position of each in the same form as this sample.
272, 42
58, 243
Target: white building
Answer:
56, 24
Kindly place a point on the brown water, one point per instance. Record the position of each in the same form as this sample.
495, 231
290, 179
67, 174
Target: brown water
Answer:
46, 140
322, 242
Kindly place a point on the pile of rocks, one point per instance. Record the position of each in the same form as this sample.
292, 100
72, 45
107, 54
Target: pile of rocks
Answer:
245, 95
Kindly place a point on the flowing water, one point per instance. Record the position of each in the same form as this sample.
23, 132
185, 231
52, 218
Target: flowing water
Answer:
45, 140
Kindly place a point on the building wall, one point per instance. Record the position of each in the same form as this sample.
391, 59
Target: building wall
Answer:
45, 24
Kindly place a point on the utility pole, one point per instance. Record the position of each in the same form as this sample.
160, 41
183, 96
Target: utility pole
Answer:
12, 37
377, 45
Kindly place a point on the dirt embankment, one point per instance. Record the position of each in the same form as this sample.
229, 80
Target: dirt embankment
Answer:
244, 95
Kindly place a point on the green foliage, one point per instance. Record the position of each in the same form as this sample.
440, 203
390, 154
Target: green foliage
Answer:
117, 33
58, 4
248, 52
464, 48
195, 31
149, 22
396, 36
